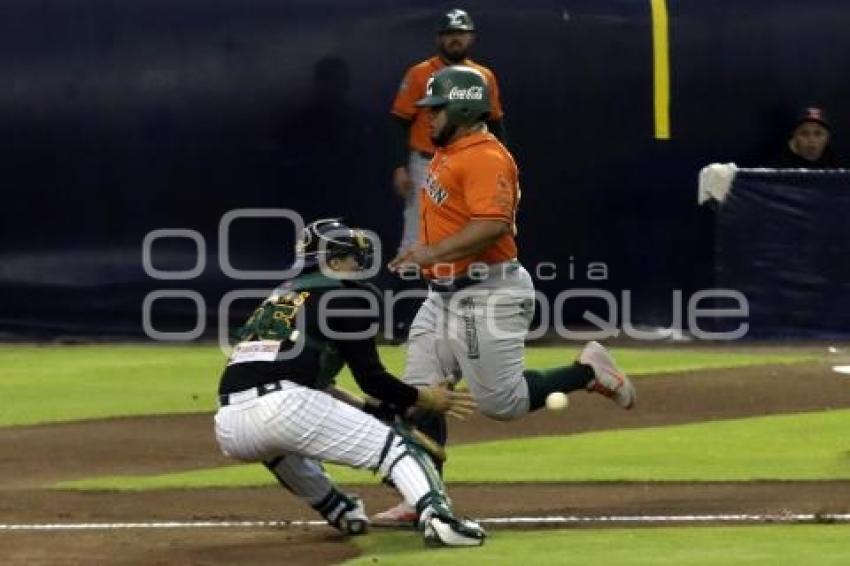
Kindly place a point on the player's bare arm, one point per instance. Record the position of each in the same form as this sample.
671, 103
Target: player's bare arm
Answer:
476, 236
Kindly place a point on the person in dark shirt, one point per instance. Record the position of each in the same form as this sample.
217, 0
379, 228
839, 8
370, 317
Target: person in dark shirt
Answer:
279, 404
808, 147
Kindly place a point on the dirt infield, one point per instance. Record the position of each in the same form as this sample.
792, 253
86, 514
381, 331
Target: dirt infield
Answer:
32, 458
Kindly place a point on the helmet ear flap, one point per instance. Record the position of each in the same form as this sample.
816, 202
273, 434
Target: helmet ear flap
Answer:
465, 116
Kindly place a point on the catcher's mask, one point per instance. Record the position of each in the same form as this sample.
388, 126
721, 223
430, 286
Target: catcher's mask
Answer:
328, 238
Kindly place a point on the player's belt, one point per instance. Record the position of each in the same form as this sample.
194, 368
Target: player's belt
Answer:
456, 285
248, 394
425, 155
461, 283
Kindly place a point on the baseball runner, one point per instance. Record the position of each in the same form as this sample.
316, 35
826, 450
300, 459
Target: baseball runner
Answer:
278, 404
411, 143
481, 300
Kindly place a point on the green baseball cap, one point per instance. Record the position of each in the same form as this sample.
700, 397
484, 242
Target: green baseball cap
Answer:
455, 20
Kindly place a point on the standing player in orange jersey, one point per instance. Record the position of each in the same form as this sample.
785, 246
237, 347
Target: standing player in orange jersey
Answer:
411, 143
481, 299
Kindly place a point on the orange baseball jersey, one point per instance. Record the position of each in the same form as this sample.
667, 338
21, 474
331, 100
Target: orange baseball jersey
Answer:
473, 178
413, 88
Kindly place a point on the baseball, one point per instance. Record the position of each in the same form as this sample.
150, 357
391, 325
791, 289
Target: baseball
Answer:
557, 401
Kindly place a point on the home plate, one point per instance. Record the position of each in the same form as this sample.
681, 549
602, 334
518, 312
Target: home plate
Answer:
841, 369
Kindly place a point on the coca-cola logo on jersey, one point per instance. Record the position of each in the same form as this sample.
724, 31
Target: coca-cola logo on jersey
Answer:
471, 93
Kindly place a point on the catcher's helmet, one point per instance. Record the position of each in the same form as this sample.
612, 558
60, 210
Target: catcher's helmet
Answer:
462, 91
329, 238
455, 20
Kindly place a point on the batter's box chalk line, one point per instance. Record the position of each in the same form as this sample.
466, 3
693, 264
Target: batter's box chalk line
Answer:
565, 520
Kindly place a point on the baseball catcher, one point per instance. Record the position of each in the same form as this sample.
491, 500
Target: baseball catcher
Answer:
278, 404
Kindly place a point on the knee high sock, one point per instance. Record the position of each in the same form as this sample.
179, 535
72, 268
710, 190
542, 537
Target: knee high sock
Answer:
565, 379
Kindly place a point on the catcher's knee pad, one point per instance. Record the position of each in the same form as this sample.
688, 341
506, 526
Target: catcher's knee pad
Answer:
346, 513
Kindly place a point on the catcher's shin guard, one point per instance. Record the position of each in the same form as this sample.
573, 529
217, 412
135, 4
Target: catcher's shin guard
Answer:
346, 513
404, 443
408, 466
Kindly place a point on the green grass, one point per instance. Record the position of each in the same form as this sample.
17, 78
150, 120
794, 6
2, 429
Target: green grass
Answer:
48, 383
808, 446
824, 545
64, 383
